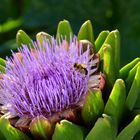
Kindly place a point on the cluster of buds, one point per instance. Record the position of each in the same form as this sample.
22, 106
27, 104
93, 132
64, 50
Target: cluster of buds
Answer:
69, 87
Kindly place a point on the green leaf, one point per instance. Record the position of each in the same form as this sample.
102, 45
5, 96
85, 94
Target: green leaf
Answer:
116, 102
93, 107
100, 40
129, 79
23, 38
113, 39
66, 130
104, 129
134, 91
64, 30
86, 32
130, 130
125, 69
109, 66
9, 132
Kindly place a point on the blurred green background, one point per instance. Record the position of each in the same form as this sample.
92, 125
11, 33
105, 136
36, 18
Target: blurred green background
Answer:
43, 15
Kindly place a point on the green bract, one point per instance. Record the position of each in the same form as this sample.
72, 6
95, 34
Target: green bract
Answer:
107, 114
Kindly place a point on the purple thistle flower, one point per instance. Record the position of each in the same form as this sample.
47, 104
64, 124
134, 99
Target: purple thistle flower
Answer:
47, 78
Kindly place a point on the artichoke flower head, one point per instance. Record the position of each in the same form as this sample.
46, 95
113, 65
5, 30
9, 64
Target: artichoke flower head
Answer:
50, 80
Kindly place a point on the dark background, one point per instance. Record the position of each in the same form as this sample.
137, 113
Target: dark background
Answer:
43, 15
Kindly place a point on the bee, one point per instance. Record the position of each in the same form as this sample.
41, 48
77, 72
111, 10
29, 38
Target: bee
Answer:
81, 67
